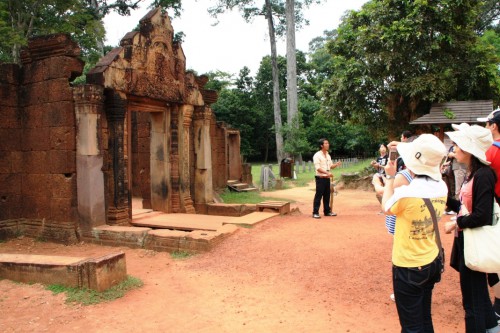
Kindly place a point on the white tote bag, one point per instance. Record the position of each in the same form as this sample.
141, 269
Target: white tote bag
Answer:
482, 245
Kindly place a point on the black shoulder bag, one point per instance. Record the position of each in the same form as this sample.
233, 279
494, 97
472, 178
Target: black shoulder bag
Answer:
436, 230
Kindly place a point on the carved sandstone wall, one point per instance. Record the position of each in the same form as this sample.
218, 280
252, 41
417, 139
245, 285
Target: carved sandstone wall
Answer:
72, 157
37, 135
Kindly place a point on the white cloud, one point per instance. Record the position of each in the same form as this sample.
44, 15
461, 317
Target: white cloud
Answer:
232, 43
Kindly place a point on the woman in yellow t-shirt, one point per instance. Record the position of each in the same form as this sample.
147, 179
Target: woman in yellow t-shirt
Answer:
415, 253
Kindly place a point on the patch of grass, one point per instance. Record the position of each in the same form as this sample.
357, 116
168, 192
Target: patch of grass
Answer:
180, 255
246, 226
306, 177
86, 296
245, 197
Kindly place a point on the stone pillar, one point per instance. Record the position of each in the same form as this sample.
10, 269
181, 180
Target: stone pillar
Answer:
203, 186
186, 112
118, 202
90, 180
174, 160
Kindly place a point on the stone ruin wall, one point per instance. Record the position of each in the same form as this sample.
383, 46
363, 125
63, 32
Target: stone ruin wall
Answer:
39, 139
37, 135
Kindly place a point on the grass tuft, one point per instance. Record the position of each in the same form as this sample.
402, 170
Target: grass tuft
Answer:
180, 255
86, 296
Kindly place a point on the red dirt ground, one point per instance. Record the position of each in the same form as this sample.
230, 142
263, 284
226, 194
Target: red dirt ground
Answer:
287, 274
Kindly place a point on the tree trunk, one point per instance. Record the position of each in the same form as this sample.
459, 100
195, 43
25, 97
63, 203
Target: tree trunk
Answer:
276, 84
291, 72
291, 63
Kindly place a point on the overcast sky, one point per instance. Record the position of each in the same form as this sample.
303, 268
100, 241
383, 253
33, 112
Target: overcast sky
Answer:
232, 43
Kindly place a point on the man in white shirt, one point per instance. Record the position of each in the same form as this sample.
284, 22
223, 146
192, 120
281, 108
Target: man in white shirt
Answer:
323, 164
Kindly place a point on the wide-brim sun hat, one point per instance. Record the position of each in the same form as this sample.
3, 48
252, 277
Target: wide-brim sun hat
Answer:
475, 140
460, 126
423, 156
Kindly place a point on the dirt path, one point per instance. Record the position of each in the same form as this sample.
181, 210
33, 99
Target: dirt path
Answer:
288, 274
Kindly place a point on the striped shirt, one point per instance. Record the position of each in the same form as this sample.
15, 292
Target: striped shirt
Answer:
390, 220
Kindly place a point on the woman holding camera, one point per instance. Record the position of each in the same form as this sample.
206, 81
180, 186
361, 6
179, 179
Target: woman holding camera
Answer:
415, 253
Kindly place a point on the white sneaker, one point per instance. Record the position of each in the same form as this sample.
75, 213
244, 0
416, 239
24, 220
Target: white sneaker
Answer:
450, 212
392, 298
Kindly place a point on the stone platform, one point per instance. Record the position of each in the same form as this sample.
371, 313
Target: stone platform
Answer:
193, 233
78, 272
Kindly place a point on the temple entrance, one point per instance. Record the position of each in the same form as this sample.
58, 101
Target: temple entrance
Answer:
149, 165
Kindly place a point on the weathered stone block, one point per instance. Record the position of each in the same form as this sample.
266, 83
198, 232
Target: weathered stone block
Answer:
17, 161
10, 206
43, 269
37, 185
5, 162
47, 91
63, 186
10, 139
62, 161
35, 117
62, 138
10, 183
62, 209
35, 72
107, 271
65, 67
36, 139
36, 207
35, 162
60, 113
9, 95
10, 117
132, 236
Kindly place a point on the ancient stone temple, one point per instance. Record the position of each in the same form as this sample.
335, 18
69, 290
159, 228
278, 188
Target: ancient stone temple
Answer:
73, 157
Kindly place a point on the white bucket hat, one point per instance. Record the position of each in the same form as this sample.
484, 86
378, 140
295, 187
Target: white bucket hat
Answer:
423, 156
472, 139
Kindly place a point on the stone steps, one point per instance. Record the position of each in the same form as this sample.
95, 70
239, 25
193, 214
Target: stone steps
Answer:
237, 186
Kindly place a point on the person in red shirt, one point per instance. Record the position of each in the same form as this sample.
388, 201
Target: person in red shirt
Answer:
493, 156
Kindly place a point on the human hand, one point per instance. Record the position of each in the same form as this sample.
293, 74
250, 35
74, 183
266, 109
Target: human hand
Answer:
450, 226
390, 168
392, 145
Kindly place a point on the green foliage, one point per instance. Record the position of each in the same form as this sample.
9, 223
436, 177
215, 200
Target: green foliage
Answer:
295, 137
81, 19
86, 296
448, 113
245, 197
180, 255
392, 59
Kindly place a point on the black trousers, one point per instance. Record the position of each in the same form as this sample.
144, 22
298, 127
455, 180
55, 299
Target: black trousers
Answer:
322, 191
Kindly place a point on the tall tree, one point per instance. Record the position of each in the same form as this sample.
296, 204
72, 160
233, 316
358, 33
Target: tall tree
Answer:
392, 59
270, 9
280, 154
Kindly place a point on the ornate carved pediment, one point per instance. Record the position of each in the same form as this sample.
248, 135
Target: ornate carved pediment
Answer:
148, 63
